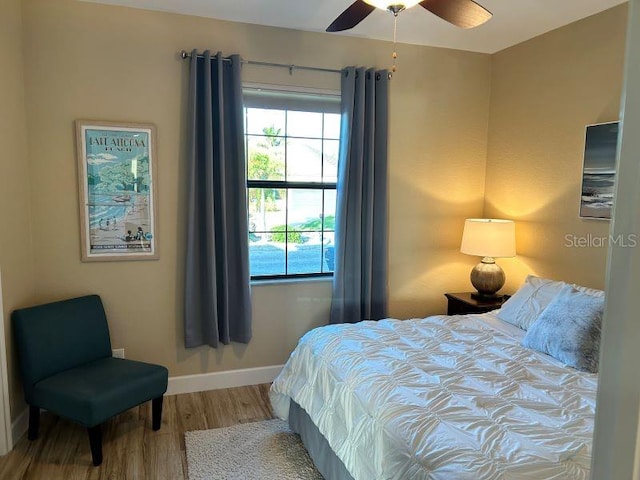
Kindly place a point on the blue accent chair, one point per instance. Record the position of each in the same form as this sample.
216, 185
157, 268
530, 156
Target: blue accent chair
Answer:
67, 368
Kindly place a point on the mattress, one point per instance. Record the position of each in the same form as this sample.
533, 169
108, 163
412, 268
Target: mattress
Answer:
441, 398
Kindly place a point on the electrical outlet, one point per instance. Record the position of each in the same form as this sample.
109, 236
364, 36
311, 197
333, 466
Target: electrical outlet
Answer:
118, 352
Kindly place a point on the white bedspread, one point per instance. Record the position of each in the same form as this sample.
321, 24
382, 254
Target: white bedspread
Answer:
441, 398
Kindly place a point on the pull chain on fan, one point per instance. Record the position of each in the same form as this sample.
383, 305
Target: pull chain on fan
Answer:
395, 41
395, 9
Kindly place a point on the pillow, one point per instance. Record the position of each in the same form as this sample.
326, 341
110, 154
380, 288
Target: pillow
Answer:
589, 291
526, 305
569, 329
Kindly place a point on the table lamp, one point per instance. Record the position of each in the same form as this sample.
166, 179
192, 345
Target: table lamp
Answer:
488, 238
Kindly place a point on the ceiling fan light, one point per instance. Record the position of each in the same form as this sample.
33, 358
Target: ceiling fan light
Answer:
385, 4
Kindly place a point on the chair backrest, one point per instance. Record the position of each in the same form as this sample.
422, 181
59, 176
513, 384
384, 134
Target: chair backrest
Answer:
58, 336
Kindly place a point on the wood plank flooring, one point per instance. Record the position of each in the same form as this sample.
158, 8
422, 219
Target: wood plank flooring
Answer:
131, 449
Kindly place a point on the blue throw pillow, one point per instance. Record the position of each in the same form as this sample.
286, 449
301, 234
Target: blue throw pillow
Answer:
569, 329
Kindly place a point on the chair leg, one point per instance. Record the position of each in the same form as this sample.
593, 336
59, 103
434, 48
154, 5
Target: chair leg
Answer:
34, 422
95, 442
156, 412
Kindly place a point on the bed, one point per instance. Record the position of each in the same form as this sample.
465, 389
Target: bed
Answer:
445, 397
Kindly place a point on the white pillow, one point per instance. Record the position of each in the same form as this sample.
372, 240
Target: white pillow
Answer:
589, 291
526, 305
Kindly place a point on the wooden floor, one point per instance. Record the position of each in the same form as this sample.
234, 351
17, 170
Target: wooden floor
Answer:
131, 449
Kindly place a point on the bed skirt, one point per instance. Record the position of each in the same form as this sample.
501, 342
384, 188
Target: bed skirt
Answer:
326, 461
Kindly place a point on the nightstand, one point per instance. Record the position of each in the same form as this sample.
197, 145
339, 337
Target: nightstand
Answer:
462, 303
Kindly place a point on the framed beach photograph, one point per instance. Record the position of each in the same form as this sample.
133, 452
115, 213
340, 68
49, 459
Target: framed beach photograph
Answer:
117, 191
599, 170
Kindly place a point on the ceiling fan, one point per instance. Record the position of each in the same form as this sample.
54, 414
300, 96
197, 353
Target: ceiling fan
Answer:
461, 13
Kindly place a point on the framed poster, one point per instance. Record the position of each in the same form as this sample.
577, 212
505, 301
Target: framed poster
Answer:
599, 170
116, 169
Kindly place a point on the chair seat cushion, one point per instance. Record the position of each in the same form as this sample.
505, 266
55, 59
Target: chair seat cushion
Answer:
96, 391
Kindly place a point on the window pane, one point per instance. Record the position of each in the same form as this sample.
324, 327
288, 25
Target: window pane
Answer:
304, 124
305, 210
266, 258
304, 160
265, 158
329, 210
305, 225
330, 160
328, 235
304, 258
267, 214
332, 125
261, 121
329, 253
267, 209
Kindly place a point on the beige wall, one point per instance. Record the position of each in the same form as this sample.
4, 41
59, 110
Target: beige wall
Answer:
93, 61
15, 229
544, 92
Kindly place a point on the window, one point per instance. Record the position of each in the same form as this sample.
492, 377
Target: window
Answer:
292, 143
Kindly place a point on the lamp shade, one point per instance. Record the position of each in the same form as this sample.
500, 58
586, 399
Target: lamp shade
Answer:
488, 237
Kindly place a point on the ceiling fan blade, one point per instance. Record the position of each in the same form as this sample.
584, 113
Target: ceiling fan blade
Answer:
351, 17
461, 13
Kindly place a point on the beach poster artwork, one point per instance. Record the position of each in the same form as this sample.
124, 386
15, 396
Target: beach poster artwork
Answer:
116, 168
599, 171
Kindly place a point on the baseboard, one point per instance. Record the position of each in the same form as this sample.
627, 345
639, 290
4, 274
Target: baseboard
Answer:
19, 426
227, 379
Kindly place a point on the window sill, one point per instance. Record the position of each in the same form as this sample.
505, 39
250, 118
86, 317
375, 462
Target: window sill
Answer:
288, 281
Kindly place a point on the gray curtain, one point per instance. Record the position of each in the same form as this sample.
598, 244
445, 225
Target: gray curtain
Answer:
360, 277
217, 290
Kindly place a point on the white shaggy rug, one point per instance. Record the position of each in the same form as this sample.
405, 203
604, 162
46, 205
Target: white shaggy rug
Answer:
251, 451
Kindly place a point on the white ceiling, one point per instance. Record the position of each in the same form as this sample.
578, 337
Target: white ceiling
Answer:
513, 21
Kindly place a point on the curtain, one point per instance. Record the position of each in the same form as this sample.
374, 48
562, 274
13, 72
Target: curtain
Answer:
360, 276
217, 289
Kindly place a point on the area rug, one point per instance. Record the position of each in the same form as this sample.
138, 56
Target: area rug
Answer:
251, 451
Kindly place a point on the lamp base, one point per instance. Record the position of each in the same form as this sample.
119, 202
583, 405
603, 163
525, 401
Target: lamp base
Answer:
481, 297
487, 277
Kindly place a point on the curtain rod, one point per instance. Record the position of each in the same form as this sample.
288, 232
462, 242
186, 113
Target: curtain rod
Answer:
184, 55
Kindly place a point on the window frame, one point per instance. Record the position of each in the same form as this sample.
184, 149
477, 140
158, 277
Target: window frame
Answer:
291, 99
